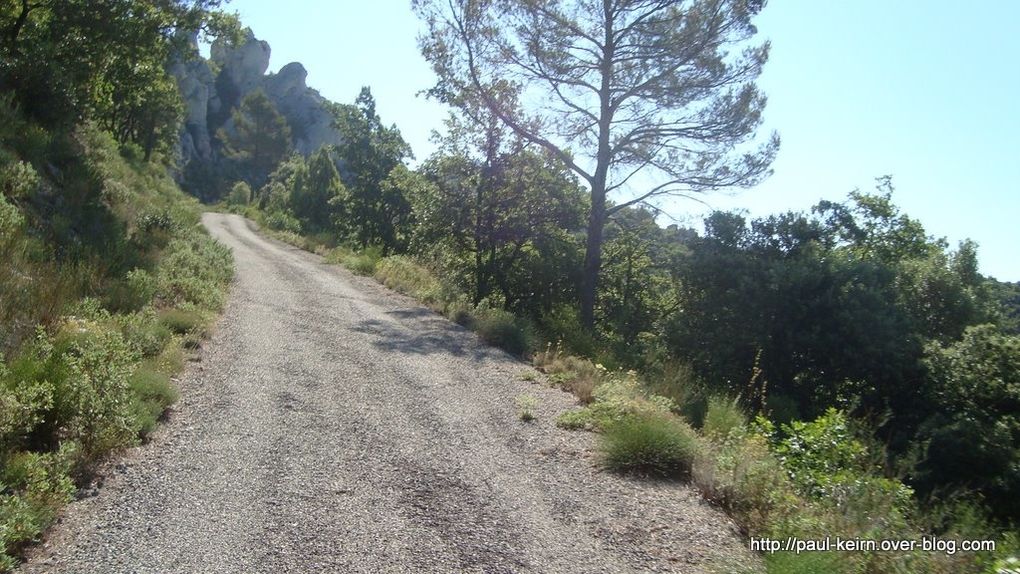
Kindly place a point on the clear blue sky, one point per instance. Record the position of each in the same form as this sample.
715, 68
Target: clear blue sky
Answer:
926, 91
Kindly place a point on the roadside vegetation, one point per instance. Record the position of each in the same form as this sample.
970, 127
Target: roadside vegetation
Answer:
106, 276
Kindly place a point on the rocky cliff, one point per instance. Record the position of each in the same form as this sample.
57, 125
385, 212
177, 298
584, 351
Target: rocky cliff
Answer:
213, 88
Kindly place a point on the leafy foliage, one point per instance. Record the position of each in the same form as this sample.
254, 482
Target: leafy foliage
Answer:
612, 89
973, 440
375, 213
260, 138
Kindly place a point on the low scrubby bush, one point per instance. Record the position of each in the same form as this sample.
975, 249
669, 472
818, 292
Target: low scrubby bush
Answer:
144, 332
92, 290
194, 270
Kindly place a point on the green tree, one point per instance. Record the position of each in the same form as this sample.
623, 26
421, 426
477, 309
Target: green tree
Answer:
260, 139
143, 106
615, 88
318, 196
499, 219
368, 152
68, 60
240, 194
973, 441
498, 206
636, 286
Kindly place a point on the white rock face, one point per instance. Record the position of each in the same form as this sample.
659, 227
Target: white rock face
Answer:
212, 89
311, 123
195, 80
243, 65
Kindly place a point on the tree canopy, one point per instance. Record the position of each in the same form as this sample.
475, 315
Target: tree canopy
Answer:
260, 138
616, 89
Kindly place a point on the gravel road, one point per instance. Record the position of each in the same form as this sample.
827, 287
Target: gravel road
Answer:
330, 425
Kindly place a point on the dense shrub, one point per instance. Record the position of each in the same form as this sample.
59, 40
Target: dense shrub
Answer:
194, 270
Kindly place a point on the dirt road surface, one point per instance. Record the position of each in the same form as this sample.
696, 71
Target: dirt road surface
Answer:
330, 425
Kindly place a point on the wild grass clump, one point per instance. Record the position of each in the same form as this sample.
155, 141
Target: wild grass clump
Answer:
362, 262
183, 321
617, 396
677, 381
403, 275
151, 394
526, 407
573, 374
503, 329
650, 444
722, 418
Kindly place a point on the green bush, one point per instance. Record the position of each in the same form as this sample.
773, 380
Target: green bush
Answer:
240, 194
33, 487
144, 332
826, 460
131, 293
151, 393
722, 418
89, 366
502, 329
650, 444
194, 270
18, 179
183, 321
24, 404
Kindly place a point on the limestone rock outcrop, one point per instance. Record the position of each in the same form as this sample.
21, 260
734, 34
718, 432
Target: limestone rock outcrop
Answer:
212, 89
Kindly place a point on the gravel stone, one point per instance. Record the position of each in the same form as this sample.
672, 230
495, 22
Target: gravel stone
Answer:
331, 425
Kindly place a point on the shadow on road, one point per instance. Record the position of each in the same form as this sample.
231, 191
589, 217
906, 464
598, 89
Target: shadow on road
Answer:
440, 338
